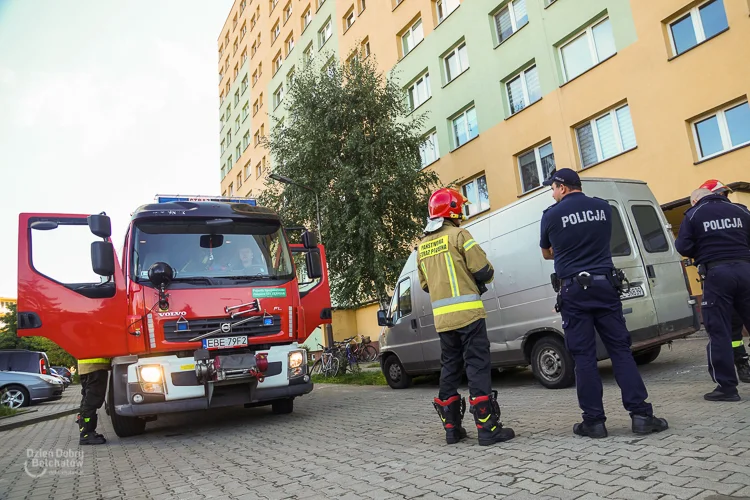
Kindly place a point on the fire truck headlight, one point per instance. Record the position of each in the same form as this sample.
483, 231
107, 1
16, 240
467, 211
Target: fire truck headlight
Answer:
150, 373
296, 359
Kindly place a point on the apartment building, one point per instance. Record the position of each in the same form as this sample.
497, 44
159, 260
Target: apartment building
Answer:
656, 91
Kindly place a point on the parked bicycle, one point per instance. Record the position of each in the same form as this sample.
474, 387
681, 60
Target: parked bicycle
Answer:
327, 364
364, 351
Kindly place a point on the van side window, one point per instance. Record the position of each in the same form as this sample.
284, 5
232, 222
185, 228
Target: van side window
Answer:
619, 244
650, 229
404, 298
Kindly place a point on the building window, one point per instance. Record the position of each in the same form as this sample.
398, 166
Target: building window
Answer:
412, 37
697, 26
223, 146
523, 90
256, 137
362, 5
243, 31
256, 107
476, 192
231, 189
243, 4
258, 171
236, 71
443, 8
272, 4
726, 130
253, 20
307, 53
278, 96
606, 136
244, 56
510, 19
275, 32
465, 127
255, 77
535, 166
325, 33
456, 62
237, 97
229, 111
253, 49
245, 141
238, 150
234, 22
244, 84
290, 77
366, 47
229, 138
235, 47
245, 110
428, 150
287, 11
419, 91
289, 44
260, 99
229, 163
306, 18
588, 49
239, 180
349, 19
247, 168
237, 125
277, 62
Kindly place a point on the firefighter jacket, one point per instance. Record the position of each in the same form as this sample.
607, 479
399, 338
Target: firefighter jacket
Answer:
93, 364
452, 267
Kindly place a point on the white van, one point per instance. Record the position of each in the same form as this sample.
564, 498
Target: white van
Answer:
522, 324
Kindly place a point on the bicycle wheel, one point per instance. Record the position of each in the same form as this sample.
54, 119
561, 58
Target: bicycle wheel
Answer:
332, 369
370, 353
317, 367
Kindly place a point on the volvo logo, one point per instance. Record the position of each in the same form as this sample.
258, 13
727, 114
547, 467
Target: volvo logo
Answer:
226, 327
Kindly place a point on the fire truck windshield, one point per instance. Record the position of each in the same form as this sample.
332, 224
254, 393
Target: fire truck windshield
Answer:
194, 249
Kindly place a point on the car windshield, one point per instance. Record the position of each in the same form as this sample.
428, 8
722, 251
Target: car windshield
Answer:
195, 249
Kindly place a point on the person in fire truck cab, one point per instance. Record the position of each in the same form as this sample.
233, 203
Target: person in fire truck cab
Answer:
248, 261
738, 348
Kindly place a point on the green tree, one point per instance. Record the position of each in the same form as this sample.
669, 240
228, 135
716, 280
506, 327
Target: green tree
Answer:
349, 136
9, 340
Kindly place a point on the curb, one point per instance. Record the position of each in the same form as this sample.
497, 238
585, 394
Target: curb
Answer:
36, 420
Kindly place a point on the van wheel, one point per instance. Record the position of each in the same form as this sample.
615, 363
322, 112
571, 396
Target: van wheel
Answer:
282, 406
645, 357
552, 364
395, 374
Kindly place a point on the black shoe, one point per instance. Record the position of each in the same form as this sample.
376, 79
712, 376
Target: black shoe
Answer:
646, 424
451, 412
719, 395
487, 418
91, 438
743, 370
596, 430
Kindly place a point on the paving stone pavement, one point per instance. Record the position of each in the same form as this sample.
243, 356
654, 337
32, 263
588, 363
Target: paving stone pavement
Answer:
71, 400
374, 442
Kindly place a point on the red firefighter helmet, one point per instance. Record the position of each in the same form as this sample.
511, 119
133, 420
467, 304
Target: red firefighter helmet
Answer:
716, 186
447, 203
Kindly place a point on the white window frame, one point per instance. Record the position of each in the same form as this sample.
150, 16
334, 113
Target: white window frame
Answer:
237, 124
695, 17
513, 22
277, 62
409, 36
245, 111
289, 44
448, 6
589, 32
288, 12
524, 89
538, 160
238, 150
726, 140
306, 18
231, 189
411, 90
351, 16
326, 29
456, 145
433, 139
468, 207
455, 53
246, 140
245, 84
597, 144
276, 32
278, 96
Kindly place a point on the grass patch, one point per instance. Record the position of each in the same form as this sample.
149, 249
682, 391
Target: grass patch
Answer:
361, 378
6, 411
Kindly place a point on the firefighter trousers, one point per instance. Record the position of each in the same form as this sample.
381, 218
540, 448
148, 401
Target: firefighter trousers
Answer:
470, 346
93, 392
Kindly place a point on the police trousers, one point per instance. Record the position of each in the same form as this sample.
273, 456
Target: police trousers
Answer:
93, 392
471, 346
726, 289
598, 309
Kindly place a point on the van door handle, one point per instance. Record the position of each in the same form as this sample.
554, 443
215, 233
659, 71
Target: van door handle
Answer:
414, 324
650, 271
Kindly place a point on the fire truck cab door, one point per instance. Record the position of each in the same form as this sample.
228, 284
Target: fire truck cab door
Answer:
315, 294
59, 295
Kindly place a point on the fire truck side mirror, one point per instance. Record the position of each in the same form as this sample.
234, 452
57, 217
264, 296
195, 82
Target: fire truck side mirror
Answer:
103, 258
309, 240
313, 264
100, 225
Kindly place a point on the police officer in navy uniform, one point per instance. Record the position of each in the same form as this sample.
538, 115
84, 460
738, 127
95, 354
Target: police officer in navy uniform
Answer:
576, 233
716, 234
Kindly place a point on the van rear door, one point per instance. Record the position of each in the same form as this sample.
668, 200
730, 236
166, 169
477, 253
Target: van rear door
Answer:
662, 262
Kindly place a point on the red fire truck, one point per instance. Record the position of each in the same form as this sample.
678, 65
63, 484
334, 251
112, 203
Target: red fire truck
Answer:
206, 306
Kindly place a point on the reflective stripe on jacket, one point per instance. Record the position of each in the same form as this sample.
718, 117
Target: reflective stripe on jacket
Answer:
91, 365
448, 261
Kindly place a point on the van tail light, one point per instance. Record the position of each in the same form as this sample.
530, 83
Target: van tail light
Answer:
42, 367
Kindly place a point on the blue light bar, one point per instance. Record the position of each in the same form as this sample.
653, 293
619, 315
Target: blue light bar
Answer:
171, 198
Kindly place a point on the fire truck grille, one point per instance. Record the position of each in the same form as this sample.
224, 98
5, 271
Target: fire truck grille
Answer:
174, 331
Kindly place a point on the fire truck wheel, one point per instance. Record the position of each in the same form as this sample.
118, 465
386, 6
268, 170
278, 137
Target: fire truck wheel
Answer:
282, 406
123, 426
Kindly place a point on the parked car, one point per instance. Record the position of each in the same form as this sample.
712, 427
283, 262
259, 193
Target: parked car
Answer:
18, 389
522, 325
23, 360
65, 380
64, 372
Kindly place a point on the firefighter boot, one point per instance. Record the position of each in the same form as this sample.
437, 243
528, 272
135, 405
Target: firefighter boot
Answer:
451, 412
743, 369
88, 434
487, 417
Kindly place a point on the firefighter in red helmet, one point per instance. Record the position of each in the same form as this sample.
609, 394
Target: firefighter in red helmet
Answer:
454, 270
738, 348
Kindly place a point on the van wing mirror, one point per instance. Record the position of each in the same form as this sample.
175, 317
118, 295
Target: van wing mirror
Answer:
309, 240
313, 264
103, 258
383, 319
100, 225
